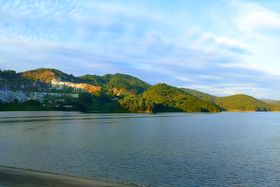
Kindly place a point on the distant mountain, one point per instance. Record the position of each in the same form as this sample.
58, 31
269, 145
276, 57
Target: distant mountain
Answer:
241, 102
200, 95
173, 99
118, 84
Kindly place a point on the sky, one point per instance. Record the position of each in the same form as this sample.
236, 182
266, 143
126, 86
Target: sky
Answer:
222, 47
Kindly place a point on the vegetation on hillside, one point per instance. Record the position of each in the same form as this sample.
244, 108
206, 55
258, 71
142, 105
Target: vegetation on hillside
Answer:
137, 104
87, 102
46, 75
119, 84
30, 105
95, 79
119, 93
173, 99
7, 75
11, 80
241, 102
274, 105
200, 95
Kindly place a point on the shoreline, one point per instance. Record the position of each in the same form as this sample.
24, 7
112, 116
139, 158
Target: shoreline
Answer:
77, 111
16, 177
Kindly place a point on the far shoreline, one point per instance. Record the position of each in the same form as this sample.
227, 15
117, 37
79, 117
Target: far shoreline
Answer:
95, 112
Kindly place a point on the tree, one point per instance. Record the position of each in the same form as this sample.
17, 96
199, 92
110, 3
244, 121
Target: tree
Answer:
84, 101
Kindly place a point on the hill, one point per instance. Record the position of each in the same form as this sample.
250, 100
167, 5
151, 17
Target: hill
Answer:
95, 79
241, 102
118, 84
60, 80
113, 92
170, 98
46, 75
200, 95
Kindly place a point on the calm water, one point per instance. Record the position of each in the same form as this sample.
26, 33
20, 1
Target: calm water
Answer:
224, 149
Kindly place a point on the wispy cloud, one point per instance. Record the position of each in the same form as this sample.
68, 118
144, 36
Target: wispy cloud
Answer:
253, 17
224, 47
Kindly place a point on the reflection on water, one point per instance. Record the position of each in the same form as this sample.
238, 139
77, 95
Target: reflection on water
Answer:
224, 149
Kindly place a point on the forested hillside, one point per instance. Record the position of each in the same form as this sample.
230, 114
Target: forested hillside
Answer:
241, 102
52, 89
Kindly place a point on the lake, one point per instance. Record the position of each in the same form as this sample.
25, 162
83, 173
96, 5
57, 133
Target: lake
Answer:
167, 149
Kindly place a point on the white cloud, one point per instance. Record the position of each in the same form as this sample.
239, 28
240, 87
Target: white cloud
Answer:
186, 79
222, 40
253, 17
227, 89
187, 47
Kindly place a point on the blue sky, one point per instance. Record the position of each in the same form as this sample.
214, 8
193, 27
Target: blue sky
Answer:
221, 47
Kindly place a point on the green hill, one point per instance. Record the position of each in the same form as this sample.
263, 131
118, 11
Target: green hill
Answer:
200, 95
121, 92
95, 79
170, 98
119, 84
135, 103
46, 75
241, 102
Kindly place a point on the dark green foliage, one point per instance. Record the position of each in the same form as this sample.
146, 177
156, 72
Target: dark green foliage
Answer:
63, 103
137, 104
127, 82
84, 102
85, 97
30, 105
175, 100
87, 102
200, 95
122, 83
241, 102
94, 79
7, 74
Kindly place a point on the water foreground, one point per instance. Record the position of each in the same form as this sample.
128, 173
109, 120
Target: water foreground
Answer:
158, 150
18, 177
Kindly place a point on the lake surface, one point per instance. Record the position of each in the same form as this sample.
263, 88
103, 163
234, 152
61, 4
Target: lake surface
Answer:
171, 149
